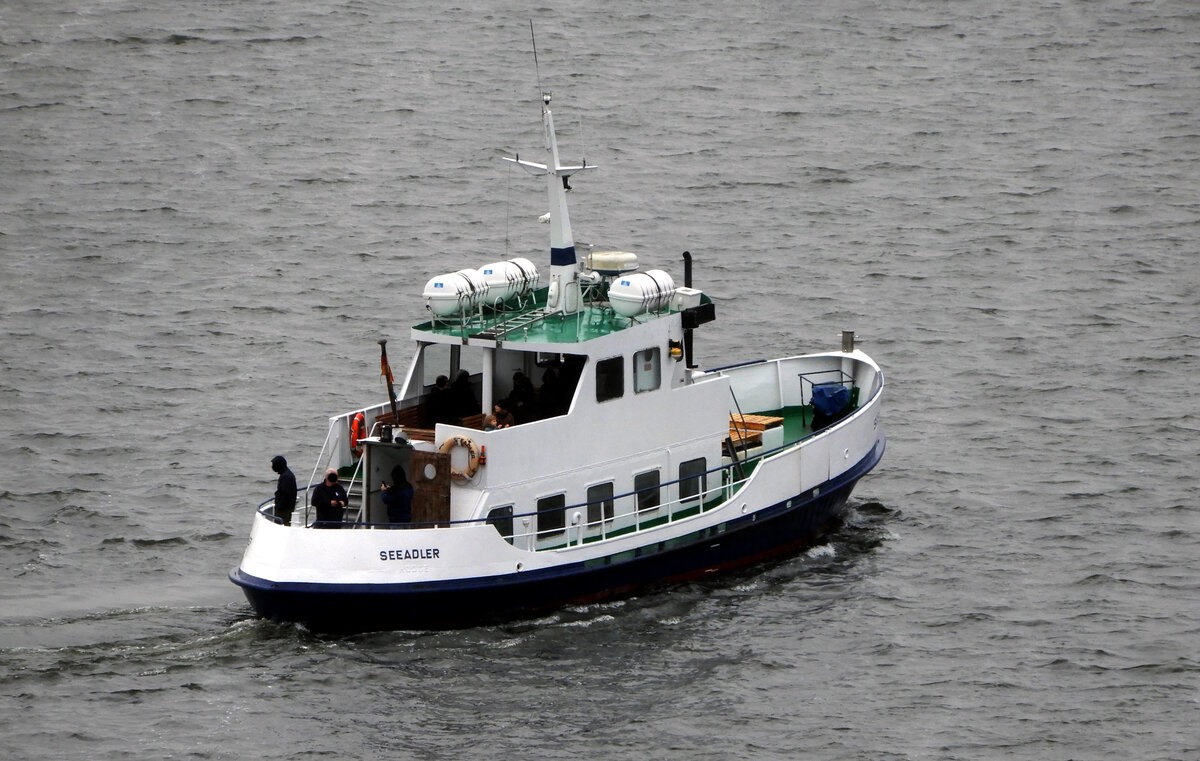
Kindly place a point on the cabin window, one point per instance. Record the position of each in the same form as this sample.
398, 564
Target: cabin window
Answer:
646, 486
600, 503
610, 379
693, 481
435, 361
551, 515
647, 370
501, 518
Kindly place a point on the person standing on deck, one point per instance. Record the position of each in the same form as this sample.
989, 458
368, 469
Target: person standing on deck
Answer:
329, 498
285, 489
398, 497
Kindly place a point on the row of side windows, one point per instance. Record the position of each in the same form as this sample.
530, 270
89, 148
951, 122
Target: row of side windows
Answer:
647, 374
551, 512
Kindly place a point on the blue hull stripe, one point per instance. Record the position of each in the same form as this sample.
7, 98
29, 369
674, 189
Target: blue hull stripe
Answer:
743, 541
562, 256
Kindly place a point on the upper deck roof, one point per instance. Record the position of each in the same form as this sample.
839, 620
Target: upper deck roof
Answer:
530, 324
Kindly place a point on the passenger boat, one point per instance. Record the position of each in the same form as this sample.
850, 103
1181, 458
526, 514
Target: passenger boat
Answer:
631, 467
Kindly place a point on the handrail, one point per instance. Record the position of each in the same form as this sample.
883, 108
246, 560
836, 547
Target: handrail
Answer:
731, 487
731, 447
362, 505
692, 505
322, 457
843, 380
271, 501
735, 365
731, 482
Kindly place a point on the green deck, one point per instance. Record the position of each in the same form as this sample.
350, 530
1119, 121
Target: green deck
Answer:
797, 421
529, 324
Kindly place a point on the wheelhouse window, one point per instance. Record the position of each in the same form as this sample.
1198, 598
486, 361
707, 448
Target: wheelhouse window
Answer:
600, 503
647, 370
551, 515
693, 481
647, 487
610, 379
501, 518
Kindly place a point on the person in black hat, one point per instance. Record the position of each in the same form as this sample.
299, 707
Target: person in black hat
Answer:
329, 498
285, 489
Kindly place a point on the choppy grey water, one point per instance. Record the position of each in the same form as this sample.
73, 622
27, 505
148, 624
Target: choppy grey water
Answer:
210, 212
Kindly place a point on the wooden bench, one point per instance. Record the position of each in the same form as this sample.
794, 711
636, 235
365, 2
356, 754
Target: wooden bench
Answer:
473, 421
754, 422
746, 431
743, 439
411, 420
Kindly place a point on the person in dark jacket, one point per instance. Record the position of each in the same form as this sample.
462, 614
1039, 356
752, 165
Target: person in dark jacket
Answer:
398, 496
440, 407
285, 489
329, 498
463, 394
522, 402
550, 395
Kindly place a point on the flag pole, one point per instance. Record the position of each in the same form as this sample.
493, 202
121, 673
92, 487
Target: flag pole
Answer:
386, 371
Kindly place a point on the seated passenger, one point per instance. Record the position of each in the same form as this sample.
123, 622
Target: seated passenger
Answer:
522, 402
502, 417
463, 396
550, 395
440, 407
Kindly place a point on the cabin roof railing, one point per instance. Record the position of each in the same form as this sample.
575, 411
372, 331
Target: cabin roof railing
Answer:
531, 324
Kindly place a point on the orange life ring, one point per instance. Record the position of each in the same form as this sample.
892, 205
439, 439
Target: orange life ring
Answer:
358, 430
462, 474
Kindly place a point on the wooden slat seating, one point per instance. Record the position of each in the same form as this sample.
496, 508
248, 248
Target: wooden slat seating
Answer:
755, 422
744, 439
745, 431
412, 420
473, 421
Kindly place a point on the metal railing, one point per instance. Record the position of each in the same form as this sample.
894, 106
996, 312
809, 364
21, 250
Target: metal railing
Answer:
843, 379
573, 526
626, 517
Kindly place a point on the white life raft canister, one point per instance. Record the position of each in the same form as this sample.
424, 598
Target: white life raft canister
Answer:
641, 292
455, 293
504, 280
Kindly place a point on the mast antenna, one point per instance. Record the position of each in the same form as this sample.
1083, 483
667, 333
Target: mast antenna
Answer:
537, 72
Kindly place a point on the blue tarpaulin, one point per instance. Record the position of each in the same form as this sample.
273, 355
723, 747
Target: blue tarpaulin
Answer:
830, 398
